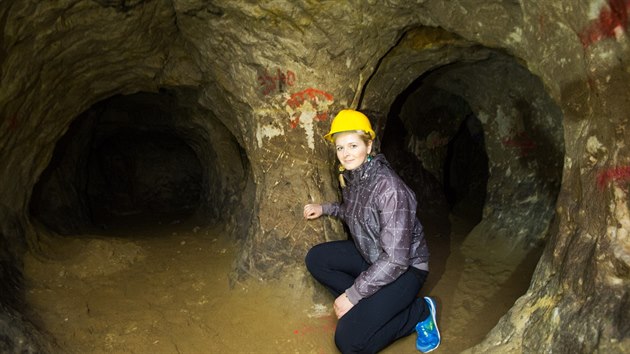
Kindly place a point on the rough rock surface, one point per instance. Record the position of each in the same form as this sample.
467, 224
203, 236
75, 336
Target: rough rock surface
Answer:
251, 86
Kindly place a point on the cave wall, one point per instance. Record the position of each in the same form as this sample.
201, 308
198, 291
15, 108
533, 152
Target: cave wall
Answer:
273, 73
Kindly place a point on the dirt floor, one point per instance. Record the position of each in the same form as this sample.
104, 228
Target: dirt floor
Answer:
169, 291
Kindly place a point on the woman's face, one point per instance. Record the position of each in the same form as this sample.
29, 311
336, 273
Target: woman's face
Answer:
352, 151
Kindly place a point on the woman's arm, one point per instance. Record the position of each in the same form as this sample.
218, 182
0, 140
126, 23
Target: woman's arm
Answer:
313, 211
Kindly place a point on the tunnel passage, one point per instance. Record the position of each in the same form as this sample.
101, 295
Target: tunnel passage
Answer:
482, 138
460, 184
466, 169
139, 160
146, 175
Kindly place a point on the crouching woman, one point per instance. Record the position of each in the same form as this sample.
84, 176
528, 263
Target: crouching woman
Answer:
376, 276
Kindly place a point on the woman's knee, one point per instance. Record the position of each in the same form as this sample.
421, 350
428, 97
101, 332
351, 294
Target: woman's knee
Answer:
330, 250
313, 258
347, 339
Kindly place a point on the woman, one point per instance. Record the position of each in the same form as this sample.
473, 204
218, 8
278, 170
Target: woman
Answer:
376, 276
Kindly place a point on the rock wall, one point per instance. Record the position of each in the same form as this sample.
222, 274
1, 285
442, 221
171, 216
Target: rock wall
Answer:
269, 76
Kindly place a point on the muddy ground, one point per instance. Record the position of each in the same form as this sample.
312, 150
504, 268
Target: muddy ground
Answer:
168, 291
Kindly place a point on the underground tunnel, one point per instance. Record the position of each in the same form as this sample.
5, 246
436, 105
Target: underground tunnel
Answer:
120, 161
131, 168
157, 155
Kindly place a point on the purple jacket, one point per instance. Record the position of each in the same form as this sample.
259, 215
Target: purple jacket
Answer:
380, 211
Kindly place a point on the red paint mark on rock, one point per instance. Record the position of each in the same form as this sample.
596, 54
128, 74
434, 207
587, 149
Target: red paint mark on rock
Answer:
520, 141
327, 325
13, 123
435, 141
297, 99
314, 96
617, 174
279, 81
612, 20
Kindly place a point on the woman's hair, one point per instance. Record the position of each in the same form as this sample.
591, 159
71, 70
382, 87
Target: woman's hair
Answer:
365, 136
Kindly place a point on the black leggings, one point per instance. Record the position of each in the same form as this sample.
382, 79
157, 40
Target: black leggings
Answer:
374, 322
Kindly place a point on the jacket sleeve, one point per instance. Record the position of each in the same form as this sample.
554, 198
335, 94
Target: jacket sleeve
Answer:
397, 210
332, 209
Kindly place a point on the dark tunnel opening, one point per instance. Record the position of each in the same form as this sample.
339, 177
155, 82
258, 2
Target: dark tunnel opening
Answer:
469, 140
120, 164
139, 161
149, 176
458, 184
466, 170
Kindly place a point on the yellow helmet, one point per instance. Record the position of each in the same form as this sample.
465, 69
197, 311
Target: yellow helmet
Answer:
348, 120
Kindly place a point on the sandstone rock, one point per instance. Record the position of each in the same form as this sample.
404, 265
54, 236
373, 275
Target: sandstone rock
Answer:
252, 87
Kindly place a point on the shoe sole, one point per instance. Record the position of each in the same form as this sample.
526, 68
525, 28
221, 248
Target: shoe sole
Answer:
432, 310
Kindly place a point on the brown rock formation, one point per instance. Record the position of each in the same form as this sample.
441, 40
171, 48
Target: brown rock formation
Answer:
240, 93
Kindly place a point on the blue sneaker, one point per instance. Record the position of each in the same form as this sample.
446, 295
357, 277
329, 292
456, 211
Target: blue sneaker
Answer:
428, 333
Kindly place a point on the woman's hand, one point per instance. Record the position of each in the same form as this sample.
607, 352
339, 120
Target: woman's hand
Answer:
342, 305
312, 211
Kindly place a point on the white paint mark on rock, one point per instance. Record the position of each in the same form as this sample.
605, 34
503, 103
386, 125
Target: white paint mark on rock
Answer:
593, 145
306, 122
505, 125
595, 8
483, 117
516, 36
267, 131
619, 234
